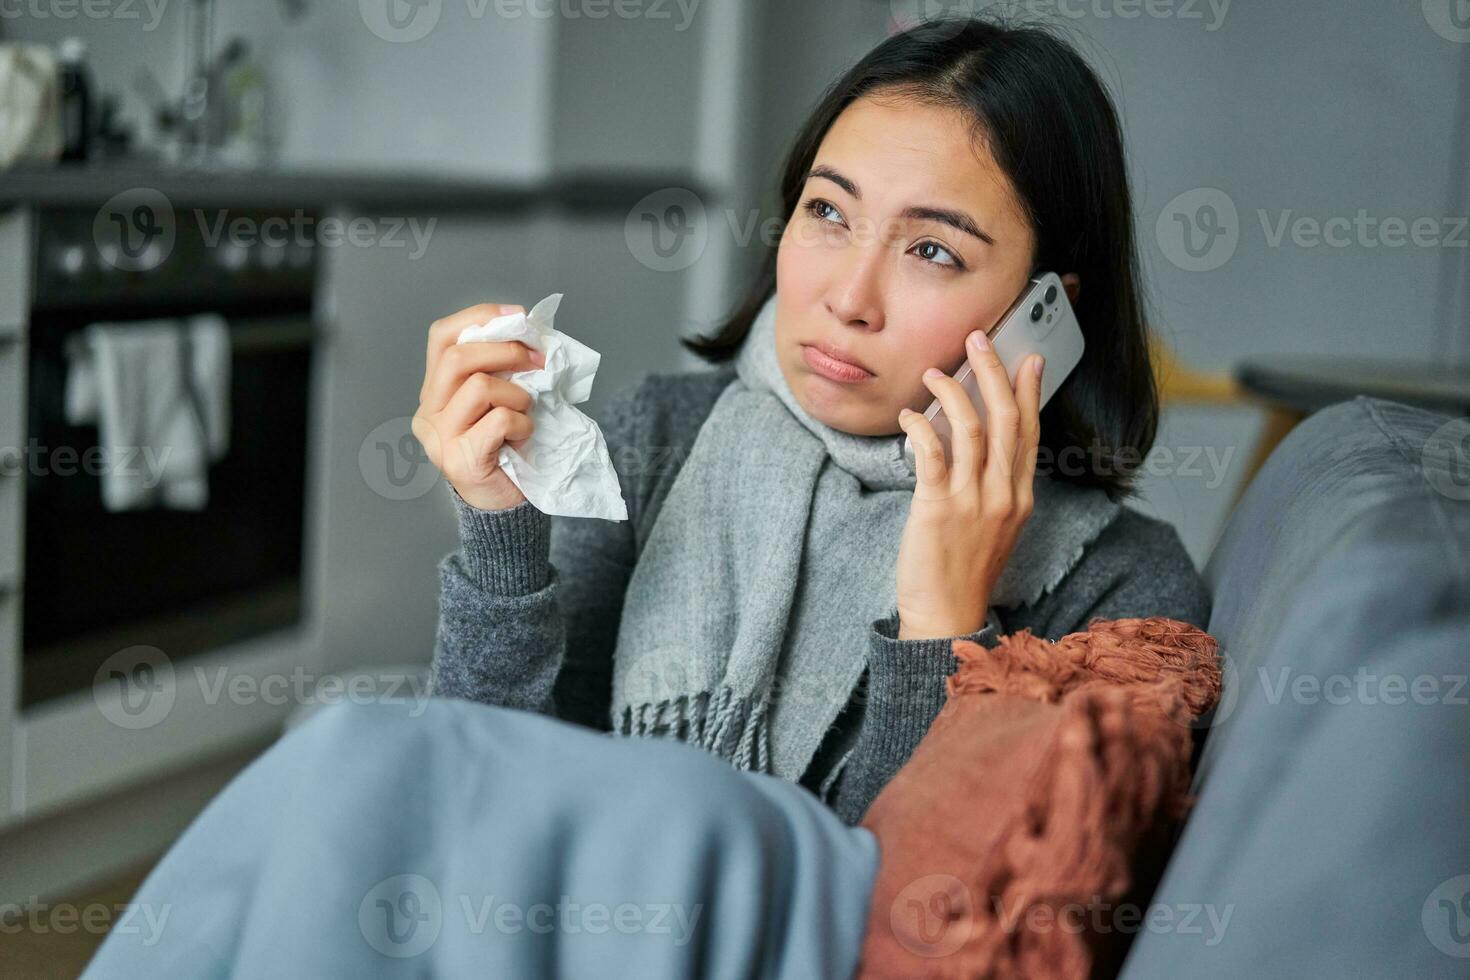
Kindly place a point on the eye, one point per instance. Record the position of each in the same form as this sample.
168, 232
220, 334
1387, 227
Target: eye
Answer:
927, 251
818, 209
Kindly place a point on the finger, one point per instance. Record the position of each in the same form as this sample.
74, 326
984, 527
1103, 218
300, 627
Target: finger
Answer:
444, 333
500, 425
928, 449
461, 361
1030, 436
966, 430
1002, 415
1028, 400
478, 395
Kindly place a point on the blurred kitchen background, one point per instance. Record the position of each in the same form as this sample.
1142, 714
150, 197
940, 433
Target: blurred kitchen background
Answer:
392, 161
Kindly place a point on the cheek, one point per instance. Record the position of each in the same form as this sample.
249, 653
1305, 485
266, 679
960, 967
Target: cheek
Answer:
934, 336
799, 266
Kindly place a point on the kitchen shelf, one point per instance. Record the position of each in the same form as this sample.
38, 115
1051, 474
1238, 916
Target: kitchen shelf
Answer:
84, 185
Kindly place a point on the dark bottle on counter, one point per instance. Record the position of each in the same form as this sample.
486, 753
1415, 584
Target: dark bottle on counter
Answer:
76, 99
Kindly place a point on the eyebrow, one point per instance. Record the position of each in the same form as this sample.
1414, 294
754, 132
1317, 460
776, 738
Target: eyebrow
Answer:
958, 220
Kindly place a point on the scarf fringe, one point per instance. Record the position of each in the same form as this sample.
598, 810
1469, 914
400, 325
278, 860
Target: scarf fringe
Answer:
732, 727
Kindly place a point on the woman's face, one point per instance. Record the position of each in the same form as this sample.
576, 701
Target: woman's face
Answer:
906, 238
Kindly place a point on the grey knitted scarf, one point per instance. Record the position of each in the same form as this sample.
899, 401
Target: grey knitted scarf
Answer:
745, 622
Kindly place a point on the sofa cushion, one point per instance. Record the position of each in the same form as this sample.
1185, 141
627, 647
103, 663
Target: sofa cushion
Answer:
1329, 836
1043, 795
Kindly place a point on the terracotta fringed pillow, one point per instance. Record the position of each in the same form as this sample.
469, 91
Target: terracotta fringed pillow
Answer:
1024, 835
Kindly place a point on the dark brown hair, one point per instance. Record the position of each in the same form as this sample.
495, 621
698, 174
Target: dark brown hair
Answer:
1050, 125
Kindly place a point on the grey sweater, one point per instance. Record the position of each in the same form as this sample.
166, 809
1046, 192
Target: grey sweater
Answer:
530, 604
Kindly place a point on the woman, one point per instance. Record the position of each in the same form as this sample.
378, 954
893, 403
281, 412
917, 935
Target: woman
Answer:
784, 594
787, 588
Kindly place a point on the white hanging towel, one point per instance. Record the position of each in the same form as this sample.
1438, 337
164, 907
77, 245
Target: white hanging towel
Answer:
159, 394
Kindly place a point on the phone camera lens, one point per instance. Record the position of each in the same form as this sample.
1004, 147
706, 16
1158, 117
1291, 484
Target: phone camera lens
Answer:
1036, 313
1051, 294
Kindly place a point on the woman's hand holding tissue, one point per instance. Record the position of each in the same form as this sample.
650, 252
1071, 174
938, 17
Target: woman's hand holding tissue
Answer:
465, 413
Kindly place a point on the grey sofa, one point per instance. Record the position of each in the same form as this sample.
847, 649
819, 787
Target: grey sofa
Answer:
1331, 836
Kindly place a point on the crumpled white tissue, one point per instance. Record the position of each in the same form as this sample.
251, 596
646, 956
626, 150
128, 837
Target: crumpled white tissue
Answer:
564, 468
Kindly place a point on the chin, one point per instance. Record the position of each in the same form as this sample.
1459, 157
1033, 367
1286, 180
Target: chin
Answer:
831, 403
838, 406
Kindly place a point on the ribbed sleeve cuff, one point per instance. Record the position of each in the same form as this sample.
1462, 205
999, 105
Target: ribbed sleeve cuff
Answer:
883, 634
504, 552
906, 677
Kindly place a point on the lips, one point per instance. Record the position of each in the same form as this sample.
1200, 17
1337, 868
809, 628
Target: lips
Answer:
835, 363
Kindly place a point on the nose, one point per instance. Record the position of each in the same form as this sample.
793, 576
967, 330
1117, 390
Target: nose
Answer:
855, 297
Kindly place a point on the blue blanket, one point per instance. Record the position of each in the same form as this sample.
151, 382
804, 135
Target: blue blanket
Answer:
480, 841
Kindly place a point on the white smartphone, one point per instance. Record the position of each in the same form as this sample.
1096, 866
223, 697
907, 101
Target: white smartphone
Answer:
1041, 321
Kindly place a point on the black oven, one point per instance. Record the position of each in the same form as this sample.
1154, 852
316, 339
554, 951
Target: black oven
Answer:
98, 581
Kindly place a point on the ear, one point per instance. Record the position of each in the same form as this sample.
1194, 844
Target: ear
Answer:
1073, 285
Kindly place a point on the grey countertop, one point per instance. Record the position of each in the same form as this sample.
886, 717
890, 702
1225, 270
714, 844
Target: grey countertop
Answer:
89, 185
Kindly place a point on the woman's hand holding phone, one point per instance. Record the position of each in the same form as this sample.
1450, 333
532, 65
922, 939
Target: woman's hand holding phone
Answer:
966, 515
466, 414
